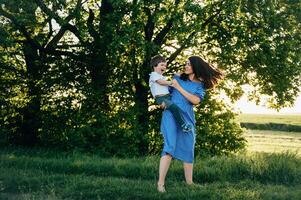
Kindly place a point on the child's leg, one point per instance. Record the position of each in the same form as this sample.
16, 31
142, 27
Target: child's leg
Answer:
177, 113
169, 105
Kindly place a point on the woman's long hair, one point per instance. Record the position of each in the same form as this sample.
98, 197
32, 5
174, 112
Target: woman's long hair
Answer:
203, 71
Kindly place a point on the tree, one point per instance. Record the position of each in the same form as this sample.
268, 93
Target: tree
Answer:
36, 47
102, 51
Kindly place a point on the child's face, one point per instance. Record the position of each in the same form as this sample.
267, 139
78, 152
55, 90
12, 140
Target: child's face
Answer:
161, 67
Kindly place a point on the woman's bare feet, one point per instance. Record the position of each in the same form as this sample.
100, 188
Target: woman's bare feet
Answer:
161, 188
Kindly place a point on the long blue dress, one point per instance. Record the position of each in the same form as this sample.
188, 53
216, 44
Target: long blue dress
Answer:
178, 144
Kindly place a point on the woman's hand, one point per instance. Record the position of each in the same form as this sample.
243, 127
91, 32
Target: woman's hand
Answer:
190, 97
175, 84
162, 105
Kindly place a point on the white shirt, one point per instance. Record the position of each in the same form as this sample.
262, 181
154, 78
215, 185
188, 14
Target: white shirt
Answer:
156, 88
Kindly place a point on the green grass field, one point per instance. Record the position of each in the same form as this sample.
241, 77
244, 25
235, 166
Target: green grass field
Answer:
47, 174
264, 118
272, 140
270, 169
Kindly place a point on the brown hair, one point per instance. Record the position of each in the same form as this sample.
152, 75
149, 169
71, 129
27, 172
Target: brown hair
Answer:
204, 71
156, 60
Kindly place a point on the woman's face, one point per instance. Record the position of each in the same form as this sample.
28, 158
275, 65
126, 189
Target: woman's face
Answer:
188, 68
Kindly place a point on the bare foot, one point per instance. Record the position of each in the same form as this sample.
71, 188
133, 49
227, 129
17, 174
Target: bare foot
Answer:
161, 188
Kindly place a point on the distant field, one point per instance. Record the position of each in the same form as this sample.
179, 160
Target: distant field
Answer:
272, 133
290, 123
262, 119
273, 141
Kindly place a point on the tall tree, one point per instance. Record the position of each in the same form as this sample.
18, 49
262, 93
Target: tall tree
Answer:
102, 50
27, 24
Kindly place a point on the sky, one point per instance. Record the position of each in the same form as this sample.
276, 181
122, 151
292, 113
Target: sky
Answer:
246, 106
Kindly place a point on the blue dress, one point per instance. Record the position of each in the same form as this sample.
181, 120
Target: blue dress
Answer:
178, 144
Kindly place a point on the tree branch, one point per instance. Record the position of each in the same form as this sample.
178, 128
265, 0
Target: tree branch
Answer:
159, 40
64, 53
190, 37
181, 48
91, 27
149, 27
35, 44
49, 12
50, 29
161, 35
22, 29
53, 43
64, 23
210, 19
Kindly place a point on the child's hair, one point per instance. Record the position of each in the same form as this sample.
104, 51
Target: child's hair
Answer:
156, 60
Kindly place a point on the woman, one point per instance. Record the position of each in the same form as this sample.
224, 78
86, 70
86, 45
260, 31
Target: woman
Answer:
188, 90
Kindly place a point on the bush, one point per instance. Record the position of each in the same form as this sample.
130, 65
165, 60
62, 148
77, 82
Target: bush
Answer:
217, 131
116, 131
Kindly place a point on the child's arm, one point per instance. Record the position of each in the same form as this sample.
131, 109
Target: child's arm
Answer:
164, 82
194, 99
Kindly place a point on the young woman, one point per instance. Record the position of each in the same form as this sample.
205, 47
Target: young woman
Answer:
188, 90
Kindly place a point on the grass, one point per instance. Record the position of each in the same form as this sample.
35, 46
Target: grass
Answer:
264, 119
273, 141
47, 174
270, 137
270, 169
271, 122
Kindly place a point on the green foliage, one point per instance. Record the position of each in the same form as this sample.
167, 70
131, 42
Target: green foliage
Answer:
93, 131
75, 74
218, 131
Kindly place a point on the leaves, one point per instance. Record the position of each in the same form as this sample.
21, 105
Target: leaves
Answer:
90, 60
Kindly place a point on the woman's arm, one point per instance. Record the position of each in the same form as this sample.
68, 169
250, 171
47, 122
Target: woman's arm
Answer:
190, 97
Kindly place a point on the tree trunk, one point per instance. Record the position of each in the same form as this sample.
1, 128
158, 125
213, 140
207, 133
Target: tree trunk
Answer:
142, 115
99, 73
30, 122
99, 68
141, 98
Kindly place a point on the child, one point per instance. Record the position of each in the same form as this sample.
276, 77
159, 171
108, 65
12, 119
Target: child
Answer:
159, 88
